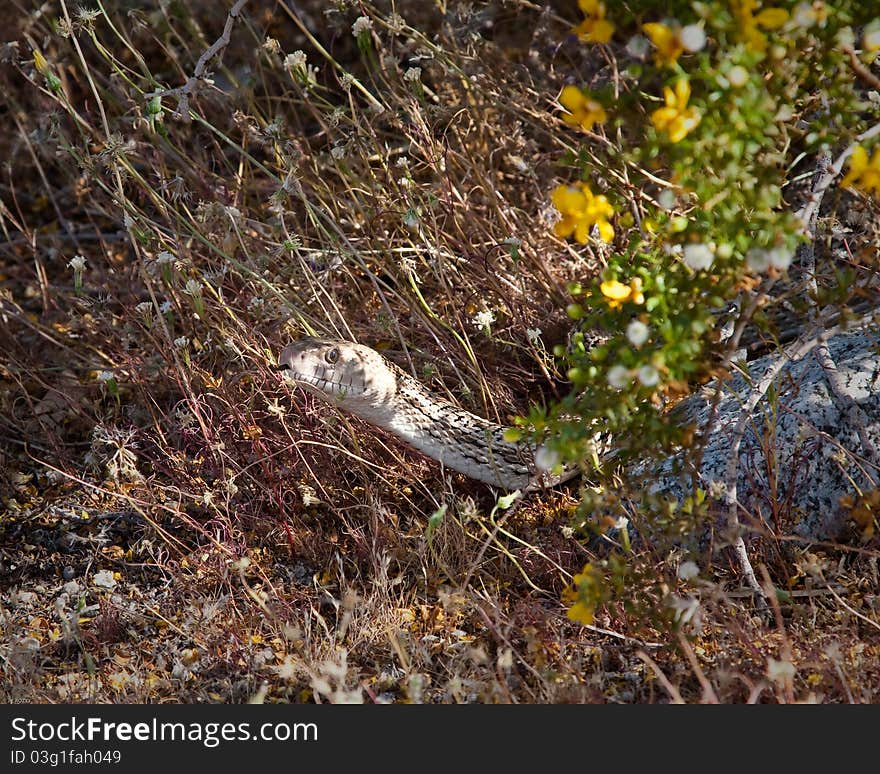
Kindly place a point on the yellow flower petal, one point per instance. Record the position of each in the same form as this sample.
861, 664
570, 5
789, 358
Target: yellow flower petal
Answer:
858, 162
40, 62
666, 41
772, 18
606, 230
603, 30
682, 92
571, 98
615, 290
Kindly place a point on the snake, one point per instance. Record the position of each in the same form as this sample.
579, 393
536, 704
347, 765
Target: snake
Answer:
361, 381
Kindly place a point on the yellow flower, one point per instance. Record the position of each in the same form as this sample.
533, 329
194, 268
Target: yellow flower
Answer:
863, 173
585, 594
749, 22
667, 42
676, 118
581, 209
595, 28
617, 293
40, 63
583, 111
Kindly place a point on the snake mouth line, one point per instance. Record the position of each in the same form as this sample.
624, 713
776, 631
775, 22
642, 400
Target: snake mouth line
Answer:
326, 386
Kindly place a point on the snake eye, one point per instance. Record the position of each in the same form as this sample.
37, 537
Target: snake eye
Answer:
332, 356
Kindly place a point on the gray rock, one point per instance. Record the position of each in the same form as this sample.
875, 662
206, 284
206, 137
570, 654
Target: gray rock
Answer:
802, 451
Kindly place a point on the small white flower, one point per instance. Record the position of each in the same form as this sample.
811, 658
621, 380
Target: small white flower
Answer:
346, 81
362, 25
638, 46
165, 307
693, 37
513, 241
621, 523
780, 257
779, 671
105, 376
618, 377
413, 75
637, 333
698, 256
181, 342
484, 319
738, 76
164, 257
666, 199
309, 495
77, 263
648, 375
104, 579
403, 162
688, 570
685, 609
759, 260
193, 288
396, 22
295, 61
804, 15
533, 335
546, 459
144, 308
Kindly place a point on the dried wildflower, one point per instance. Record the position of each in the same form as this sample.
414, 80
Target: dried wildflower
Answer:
78, 264
483, 320
361, 29
193, 288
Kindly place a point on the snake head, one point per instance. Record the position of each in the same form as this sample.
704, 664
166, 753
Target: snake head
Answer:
339, 371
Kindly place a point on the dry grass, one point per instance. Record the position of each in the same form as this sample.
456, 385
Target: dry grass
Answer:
196, 531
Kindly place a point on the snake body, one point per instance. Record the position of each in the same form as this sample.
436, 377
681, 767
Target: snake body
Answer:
361, 381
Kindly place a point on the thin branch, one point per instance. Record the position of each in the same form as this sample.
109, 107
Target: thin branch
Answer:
863, 72
193, 82
806, 213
